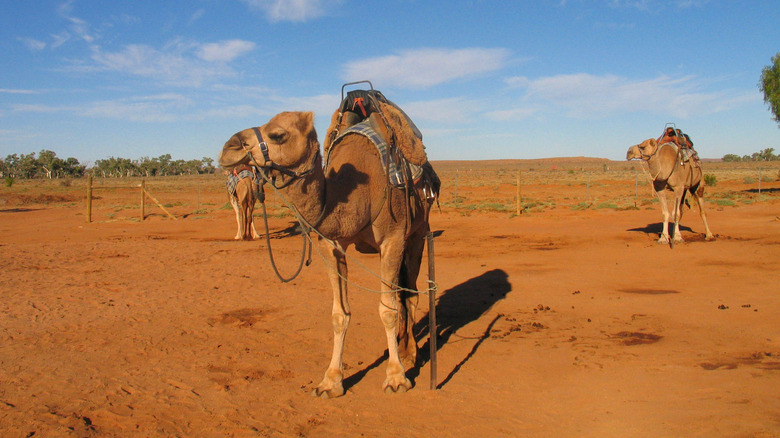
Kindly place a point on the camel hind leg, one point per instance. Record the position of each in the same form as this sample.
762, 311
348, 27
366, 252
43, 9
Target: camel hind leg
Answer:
698, 195
391, 258
410, 270
659, 193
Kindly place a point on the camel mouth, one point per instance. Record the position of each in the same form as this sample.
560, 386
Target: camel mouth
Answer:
633, 153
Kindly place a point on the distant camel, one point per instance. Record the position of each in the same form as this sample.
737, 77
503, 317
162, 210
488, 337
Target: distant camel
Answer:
241, 191
350, 202
669, 172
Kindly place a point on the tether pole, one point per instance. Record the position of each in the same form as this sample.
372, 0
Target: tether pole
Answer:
433, 331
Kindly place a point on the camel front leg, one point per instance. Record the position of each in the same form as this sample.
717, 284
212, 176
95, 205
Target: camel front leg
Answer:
331, 385
234, 203
391, 256
679, 199
664, 239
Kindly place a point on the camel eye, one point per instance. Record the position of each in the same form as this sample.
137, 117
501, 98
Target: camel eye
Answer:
278, 135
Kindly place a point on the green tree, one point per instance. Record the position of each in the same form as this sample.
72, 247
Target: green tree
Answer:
731, 157
770, 86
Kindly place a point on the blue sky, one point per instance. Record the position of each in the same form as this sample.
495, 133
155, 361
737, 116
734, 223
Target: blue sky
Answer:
482, 79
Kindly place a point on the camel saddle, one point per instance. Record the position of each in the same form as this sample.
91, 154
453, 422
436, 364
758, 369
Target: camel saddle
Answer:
240, 172
398, 169
390, 121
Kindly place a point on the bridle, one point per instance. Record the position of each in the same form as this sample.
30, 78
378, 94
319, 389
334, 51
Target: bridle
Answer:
271, 165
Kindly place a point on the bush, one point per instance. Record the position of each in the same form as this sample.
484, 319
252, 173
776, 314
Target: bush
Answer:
9, 181
710, 180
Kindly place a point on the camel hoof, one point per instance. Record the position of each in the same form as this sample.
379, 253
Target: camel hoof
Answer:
663, 240
326, 394
709, 238
398, 389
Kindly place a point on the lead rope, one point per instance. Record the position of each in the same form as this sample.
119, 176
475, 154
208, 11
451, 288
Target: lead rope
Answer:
306, 242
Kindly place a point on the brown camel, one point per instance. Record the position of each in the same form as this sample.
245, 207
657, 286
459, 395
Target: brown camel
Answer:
669, 172
349, 202
243, 203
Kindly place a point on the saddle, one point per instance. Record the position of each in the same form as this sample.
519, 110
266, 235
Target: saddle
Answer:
396, 127
240, 172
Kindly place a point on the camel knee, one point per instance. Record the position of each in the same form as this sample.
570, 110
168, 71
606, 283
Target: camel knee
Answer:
340, 322
389, 317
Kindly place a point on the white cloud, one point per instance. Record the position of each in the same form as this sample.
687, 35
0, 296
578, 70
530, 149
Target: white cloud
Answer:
586, 96
175, 63
423, 68
292, 10
16, 91
451, 110
224, 51
33, 44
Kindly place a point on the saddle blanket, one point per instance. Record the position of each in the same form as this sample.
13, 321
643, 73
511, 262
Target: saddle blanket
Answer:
232, 180
390, 163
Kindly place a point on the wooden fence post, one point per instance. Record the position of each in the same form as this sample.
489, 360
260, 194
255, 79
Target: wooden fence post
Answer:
143, 200
89, 198
519, 197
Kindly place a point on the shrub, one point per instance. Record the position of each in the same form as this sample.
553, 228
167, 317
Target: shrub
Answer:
749, 180
710, 180
9, 181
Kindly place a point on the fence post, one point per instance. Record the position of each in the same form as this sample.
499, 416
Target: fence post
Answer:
89, 198
759, 180
587, 190
636, 188
143, 200
519, 197
456, 188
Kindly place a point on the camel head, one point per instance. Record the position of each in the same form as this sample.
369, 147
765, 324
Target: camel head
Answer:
645, 149
290, 137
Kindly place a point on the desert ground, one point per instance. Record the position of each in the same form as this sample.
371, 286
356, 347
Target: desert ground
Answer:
562, 317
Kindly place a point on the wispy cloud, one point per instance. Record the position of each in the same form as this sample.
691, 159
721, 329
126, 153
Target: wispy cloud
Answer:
292, 10
450, 110
33, 44
177, 63
585, 96
423, 68
224, 51
17, 91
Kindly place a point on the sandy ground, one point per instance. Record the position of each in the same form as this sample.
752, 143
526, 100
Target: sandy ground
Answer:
559, 323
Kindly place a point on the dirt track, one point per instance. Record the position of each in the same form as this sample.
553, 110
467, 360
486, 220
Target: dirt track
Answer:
561, 323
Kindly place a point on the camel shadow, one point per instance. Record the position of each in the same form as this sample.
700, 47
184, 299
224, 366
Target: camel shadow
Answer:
656, 228
456, 308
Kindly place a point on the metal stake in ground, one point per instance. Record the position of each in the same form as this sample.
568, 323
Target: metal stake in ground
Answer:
433, 331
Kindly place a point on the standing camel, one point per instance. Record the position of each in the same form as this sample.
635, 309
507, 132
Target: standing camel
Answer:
241, 191
348, 202
669, 172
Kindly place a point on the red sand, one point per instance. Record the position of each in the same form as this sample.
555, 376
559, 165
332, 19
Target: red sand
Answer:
559, 323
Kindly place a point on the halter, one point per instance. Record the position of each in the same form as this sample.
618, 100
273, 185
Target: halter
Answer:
269, 164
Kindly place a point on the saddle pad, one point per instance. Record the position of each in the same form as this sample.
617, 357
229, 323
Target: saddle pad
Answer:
232, 180
392, 166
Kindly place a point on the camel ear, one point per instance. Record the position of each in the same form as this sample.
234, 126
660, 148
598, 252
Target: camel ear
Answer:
653, 142
306, 121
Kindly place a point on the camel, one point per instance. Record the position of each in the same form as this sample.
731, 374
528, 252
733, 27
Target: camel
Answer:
350, 203
669, 172
243, 202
